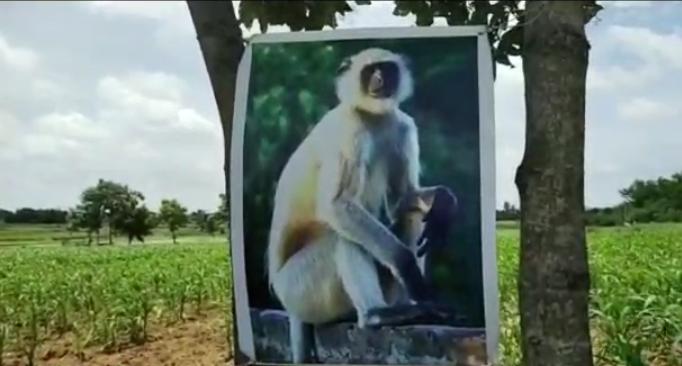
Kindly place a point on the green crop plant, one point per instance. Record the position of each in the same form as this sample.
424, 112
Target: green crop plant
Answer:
4, 332
109, 296
82, 337
104, 296
636, 298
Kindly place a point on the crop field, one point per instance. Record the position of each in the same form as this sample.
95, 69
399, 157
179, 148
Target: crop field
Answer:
111, 297
636, 304
65, 305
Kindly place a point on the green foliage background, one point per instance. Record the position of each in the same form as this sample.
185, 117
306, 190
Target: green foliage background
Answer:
292, 86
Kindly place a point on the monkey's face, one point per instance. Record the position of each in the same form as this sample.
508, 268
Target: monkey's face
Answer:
380, 80
374, 80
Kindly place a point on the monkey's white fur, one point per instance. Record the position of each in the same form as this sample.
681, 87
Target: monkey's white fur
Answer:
349, 90
319, 261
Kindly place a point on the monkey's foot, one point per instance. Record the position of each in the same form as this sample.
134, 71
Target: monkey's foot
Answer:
421, 313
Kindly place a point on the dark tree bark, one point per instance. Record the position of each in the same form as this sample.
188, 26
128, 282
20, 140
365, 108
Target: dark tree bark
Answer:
222, 46
554, 276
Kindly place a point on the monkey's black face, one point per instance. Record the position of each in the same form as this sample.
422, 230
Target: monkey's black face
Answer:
381, 79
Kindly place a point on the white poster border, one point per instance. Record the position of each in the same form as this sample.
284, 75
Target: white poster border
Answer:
245, 341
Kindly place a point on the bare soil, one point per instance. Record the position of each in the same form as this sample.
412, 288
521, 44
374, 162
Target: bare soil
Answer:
198, 341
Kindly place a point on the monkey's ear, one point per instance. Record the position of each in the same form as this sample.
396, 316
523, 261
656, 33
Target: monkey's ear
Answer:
345, 65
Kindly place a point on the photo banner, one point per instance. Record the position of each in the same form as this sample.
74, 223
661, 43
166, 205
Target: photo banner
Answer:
363, 198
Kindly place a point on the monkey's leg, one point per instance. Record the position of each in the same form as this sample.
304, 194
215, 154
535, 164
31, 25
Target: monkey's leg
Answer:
311, 292
361, 228
360, 279
302, 340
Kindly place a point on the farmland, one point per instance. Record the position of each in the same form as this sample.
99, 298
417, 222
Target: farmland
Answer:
111, 297
96, 302
636, 300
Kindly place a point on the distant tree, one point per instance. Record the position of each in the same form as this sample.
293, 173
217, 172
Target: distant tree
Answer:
220, 219
606, 216
657, 200
214, 224
119, 203
87, 217
107, 202
223, 208
509, 212
154, 219
35, 216
207, 222
73, 225
200, 219
173, 214
4, 214
137, 223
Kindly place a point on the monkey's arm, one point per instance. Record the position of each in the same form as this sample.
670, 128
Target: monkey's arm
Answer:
341, 181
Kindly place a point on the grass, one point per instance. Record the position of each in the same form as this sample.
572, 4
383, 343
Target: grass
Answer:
108, 295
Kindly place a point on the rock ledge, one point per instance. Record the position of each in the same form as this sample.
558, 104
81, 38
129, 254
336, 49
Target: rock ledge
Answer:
345, 343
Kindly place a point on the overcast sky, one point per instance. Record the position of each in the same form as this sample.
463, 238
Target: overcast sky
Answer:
119, 91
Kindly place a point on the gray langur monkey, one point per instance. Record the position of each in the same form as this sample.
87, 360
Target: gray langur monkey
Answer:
327, 246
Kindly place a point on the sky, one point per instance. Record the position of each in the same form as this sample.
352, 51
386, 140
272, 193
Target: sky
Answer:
119, 90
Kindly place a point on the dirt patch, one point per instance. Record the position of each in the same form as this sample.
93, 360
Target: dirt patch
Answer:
199, 341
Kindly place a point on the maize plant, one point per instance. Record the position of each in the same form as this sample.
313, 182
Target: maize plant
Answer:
103, 296
636, 298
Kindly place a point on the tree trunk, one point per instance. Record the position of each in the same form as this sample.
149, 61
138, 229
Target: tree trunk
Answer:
222, 46
554, 277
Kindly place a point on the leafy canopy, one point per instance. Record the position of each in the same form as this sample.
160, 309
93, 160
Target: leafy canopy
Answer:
137, 223
655, 200
173, 214
501, 17
112, 202
504, 19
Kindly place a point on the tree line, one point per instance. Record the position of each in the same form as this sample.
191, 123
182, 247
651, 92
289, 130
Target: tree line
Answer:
644, 201
34, 216
122, 211
653, 200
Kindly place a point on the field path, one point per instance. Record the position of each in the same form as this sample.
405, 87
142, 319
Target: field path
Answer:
199, 341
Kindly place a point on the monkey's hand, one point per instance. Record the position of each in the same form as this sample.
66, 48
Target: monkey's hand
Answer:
438, 221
